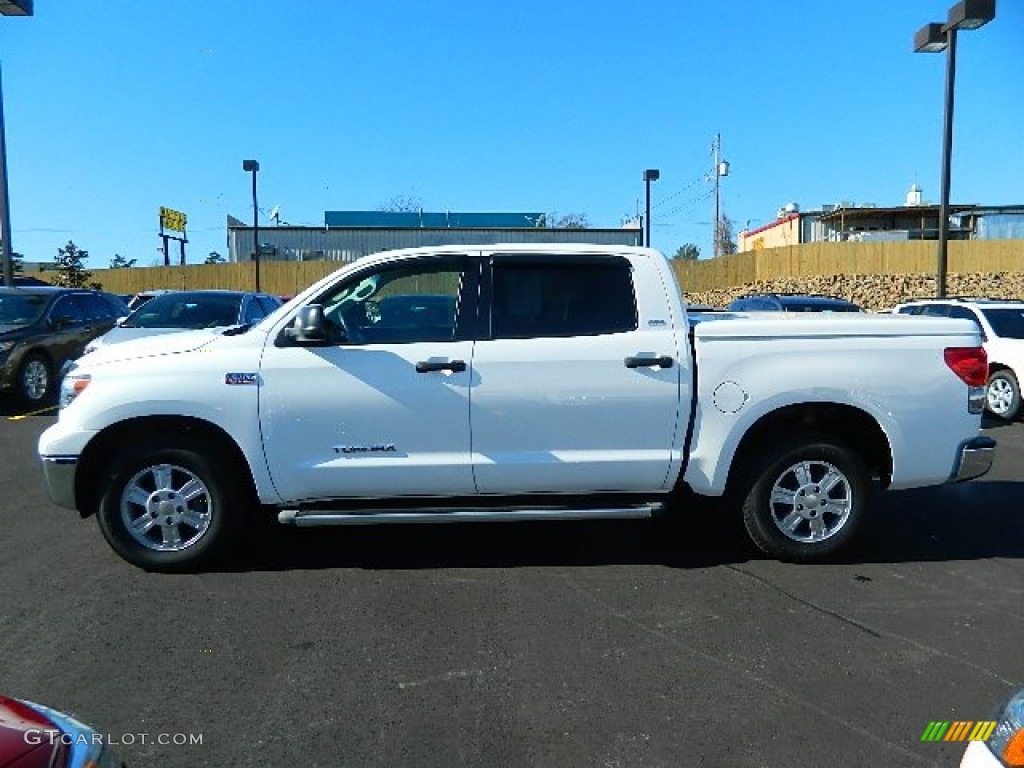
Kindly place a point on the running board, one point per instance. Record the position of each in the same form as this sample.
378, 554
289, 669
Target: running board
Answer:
308, 518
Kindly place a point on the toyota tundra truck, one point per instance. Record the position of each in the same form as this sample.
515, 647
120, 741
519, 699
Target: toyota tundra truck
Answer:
506, 383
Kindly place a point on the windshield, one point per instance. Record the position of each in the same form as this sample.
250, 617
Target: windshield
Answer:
186, 310
1008, 323
21, 309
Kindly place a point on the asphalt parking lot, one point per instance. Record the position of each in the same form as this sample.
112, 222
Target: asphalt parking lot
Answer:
563, 644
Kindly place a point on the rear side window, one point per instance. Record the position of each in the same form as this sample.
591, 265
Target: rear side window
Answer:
94, 306
581, 297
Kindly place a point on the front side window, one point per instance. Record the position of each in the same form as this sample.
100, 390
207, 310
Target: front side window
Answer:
579, 297
67, 311
396, 305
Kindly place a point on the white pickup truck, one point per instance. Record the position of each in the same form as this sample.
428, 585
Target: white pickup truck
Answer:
508, 383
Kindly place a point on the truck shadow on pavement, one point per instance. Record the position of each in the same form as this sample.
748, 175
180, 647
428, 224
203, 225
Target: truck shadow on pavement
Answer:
961, 522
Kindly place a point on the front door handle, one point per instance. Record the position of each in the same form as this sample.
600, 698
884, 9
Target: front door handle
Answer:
426, 366
649, 362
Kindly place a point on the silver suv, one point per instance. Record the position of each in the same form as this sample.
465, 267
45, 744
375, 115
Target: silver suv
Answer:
1001, 322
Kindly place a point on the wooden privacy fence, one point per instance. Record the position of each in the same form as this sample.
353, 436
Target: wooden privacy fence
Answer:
281, 278
881, 258
908, 258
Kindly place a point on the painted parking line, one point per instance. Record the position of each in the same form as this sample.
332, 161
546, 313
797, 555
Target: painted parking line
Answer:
21, 416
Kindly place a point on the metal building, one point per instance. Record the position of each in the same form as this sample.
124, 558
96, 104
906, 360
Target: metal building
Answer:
349, 235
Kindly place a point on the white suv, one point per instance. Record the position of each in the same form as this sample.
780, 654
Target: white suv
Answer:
1002, 331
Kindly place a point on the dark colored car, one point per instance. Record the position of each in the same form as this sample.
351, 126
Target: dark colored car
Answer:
42, 327
791, 302
34, 736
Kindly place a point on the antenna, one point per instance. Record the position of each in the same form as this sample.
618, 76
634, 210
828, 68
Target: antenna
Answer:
275, 215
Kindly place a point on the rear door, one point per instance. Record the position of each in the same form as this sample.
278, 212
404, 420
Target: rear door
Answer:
569, 398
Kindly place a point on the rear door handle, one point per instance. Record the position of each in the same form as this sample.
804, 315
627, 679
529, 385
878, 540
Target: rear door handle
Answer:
426, 366
649, 362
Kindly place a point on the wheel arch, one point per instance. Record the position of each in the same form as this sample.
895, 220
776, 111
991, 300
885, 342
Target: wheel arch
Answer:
857, 429
94, 463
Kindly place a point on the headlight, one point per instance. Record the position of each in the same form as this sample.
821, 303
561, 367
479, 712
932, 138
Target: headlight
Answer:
7, 346
72, 386
1007, 740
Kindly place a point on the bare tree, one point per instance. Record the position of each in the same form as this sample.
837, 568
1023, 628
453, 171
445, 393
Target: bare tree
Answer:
724, 237
402, 204
567, 221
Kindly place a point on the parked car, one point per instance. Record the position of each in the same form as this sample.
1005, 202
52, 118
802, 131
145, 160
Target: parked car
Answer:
1001, 323
42, 327
189, 310
34, 736
791, 302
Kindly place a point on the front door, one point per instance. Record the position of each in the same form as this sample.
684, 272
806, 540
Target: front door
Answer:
382, 410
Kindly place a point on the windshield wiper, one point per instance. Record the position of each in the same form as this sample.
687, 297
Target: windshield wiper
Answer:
237, 330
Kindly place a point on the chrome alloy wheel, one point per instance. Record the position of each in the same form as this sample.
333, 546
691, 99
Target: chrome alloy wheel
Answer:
35, 380
811, 501
1000, 396
166, 508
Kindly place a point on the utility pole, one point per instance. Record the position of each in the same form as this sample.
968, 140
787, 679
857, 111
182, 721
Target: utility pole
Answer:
719, 168
5, 210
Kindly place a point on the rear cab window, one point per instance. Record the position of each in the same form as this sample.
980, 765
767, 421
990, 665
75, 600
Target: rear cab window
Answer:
538, 296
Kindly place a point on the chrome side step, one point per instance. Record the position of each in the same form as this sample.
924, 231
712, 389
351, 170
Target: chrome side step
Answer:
311, 518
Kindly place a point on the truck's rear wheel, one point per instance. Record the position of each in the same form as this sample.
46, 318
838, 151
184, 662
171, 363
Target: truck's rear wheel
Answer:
804, 502
166, 508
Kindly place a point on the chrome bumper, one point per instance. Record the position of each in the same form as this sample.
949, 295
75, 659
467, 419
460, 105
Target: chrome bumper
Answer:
975, 459
59, 472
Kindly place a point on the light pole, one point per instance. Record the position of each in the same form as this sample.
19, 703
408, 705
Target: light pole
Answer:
933, 38
8, 8
651, 174
254, 166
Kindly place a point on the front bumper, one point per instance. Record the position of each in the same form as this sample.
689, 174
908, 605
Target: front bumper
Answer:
59, 472
974, 459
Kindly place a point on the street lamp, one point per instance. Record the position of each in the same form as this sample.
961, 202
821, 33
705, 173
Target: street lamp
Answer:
651, 174
254, 166
933, 38
8, 8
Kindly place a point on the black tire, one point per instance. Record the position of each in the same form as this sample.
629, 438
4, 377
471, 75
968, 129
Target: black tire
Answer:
805, 522
35, 379
1002, 395
176, 482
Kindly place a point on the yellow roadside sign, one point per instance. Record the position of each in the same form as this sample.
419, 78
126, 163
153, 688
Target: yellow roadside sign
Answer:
172, 219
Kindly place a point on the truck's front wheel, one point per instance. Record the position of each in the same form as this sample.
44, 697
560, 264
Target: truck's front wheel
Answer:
166, 509
804, 502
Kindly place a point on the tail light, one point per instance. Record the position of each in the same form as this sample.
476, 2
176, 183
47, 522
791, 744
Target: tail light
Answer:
970, 364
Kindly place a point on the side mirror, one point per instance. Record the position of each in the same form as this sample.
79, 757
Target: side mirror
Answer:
309, 325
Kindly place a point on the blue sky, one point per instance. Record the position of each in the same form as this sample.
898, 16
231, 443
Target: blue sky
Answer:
116, 108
